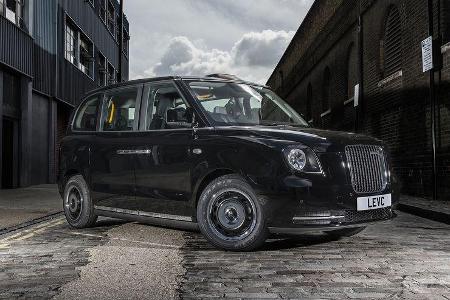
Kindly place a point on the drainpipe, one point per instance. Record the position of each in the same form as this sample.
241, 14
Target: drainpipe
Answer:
432, 103
120, 79
358, 108
56, 51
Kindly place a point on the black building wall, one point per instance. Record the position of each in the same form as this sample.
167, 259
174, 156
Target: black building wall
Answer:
32, 53
394, 107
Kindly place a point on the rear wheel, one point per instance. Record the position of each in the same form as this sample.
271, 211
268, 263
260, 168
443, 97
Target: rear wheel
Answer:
78, 207
345, 232
230, 216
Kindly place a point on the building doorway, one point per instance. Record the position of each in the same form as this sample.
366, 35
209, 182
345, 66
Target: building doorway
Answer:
9, 154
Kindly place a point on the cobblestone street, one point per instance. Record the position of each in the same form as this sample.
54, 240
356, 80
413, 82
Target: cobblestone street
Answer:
407, 258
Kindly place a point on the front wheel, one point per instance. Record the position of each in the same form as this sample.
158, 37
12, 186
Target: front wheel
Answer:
230, 215
78, 207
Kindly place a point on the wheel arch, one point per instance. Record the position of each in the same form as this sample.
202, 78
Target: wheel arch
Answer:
65, 177
205, 180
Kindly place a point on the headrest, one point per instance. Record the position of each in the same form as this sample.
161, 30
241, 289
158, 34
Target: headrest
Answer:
164, 103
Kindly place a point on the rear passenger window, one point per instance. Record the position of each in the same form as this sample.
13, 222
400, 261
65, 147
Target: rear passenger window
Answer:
86, 118
119, 113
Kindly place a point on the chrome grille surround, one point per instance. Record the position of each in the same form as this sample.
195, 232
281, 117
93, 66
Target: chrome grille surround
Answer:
368, 168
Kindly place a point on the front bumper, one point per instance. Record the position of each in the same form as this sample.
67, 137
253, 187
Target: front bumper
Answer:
325, 221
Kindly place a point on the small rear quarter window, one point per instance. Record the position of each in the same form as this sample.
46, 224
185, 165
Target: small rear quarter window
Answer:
86, 118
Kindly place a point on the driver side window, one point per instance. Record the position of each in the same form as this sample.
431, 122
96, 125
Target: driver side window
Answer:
167, 109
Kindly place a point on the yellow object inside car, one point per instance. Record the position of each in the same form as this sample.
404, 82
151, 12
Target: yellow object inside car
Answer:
112, 108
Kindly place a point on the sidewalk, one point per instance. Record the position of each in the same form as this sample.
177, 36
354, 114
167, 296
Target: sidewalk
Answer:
22, 205
430, 209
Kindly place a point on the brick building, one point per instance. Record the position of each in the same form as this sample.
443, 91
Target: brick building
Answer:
375, 47
51, 53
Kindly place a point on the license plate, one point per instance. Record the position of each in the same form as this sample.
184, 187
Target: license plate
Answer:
373, 202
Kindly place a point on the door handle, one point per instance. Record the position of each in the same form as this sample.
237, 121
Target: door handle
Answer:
143, 151
127, 152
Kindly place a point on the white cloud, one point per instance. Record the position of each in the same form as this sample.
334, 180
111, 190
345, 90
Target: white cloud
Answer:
252, 57
261, 48
182, 57
212, 31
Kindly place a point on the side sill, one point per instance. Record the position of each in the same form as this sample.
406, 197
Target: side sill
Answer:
147, 218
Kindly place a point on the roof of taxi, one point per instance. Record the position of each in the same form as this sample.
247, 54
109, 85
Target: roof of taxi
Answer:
213, 78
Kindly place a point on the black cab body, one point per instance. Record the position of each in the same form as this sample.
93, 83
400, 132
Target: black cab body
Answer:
224, 156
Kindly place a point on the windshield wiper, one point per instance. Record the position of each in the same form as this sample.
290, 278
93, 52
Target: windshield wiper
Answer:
273, 124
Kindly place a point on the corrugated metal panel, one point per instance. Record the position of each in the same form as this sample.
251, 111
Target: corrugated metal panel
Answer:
71, 83
44, 21
44, 70
86, 18
16, 47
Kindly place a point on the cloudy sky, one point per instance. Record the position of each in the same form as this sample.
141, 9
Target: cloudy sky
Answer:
199, 37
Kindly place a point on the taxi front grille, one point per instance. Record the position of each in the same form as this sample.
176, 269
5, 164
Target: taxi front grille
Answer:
367, 166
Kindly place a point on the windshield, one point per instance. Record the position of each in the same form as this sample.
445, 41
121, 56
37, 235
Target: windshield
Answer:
242, 104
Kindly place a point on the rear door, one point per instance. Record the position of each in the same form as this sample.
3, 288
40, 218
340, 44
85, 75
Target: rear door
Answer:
163, 178
114, 148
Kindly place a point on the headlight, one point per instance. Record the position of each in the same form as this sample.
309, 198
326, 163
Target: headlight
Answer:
303, 159
297, 159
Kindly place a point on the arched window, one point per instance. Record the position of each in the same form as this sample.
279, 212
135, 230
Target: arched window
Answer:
391, 45
352, 72
326, 90
309, 114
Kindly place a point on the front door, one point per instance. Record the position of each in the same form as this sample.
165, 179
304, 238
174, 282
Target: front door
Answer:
163, 173
113, 150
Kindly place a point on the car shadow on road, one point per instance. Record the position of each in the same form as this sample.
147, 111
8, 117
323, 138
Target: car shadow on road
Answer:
109, 222
297, 242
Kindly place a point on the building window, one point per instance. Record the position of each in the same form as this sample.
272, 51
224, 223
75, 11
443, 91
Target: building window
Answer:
352, 72
13, 11
71, 44
391, 44
102, 10
309, 115
78, 49
111, 18
101, 69
111, 74
86, 56
326, 90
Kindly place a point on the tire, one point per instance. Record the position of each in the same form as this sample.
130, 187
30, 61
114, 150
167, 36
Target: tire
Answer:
345, 232
230, 215
78, 207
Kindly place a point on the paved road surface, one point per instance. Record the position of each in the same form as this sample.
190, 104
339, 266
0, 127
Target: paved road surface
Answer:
408, 258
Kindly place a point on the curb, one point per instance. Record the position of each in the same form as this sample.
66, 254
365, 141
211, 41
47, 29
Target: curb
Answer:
425, 213
30, 223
